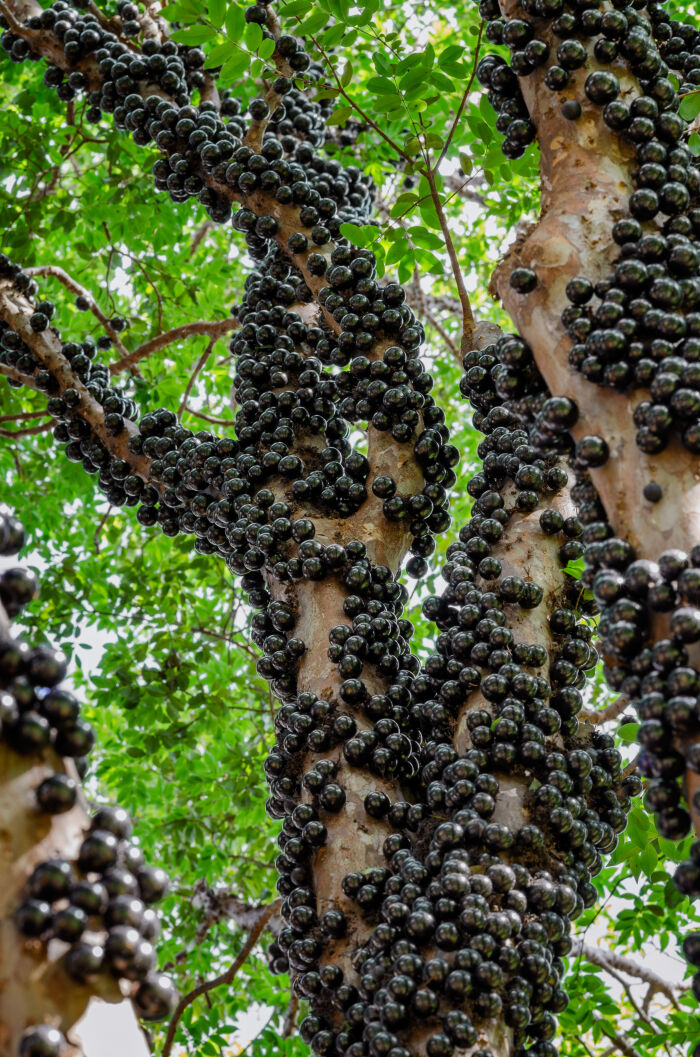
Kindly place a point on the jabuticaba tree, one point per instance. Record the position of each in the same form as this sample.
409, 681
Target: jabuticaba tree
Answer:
70, 877
441, 824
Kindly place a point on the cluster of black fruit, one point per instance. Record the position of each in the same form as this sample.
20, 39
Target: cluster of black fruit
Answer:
470, 918
638, 327
99, 905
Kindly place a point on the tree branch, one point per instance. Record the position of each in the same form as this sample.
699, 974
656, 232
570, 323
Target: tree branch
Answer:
224, 980
54, 271
611, 961
215, 329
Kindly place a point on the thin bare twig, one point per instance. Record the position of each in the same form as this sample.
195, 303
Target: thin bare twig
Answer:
98, 530
23, 416
611, 961
210, 418
463, 103
215, 328
193, 377
291, 1017
468, 322
199, 235
29, 432
611, 711
56, 272
622, 1042
218, 981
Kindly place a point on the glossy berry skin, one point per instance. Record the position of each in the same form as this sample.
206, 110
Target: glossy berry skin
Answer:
155, 998
43, 1041
523, 280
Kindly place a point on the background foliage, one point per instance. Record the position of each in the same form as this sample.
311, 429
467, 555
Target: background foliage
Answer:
156, 633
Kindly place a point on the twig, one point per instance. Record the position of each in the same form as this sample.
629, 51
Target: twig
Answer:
215, 329
210, 418
14, 24
611, 961
56, 272
631, 766
468, 322
621, 1040
291, 1017
193, 377
611, 711
98, 530
22, 416
460, 109
29, 432
199, 235
218, 981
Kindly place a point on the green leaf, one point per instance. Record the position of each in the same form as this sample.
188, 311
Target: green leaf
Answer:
333, 35
297, 8
316, 20
360, 236
450, 54
690, 106
422, 237
403, 203
627, 733
575, 568
194, 35
219, 54
266, 48
340, 115
381, 85
234, 66
234, 22
253, 36
216, 12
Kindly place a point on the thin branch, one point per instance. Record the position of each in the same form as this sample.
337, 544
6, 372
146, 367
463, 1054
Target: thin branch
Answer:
611, 961
467, 91
23, 416
98, 530
468, 322
56, 272
611, 711
14, 24
290, 1019
218, 981
210, 418
631, 766
199, 235
622, 1042
215, 329
199, 365
29, 432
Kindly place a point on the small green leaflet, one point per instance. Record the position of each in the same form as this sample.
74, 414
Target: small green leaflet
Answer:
216, 12
690, 106
360, 236
194, 35
575, 568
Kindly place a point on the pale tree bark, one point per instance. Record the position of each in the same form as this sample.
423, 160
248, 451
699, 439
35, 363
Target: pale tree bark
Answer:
34, 987
586, 181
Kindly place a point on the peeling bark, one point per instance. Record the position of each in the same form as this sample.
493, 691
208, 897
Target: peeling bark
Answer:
586, 182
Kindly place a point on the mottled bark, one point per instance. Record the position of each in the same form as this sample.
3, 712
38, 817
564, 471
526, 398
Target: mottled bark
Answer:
34, 988
586, 181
